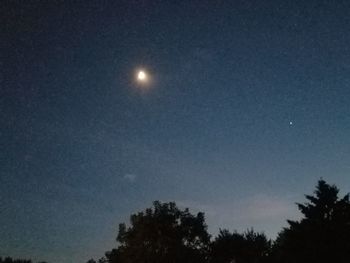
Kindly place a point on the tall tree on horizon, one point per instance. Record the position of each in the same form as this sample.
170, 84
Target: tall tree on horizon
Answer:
323, 234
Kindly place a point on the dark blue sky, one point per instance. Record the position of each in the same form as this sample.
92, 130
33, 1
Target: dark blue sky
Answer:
83, 147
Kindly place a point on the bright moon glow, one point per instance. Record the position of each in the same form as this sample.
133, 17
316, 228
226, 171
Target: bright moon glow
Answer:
141, 76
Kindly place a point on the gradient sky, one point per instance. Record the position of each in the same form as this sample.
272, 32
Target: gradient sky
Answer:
83, 147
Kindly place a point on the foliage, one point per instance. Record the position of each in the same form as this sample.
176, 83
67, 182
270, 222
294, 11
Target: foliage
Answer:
167, 234
163, 233
10, 260
323, 235
234, 247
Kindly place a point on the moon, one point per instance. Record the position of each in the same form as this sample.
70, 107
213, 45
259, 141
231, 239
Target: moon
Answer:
143, 80
142, 76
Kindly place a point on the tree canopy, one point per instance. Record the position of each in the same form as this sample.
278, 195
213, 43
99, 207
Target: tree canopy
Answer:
11, 260
249, 247
323, 234
163, 233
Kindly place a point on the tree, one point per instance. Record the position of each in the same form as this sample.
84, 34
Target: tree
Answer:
257, 247
323, 234
160, 234
249, 247
227, 247
10, 260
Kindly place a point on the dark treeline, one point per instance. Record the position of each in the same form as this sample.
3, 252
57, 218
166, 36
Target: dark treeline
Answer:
11, 260
167, 234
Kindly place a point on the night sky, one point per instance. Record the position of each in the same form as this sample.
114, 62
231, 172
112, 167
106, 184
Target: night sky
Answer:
247, 107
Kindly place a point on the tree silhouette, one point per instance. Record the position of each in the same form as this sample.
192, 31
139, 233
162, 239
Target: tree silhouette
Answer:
257, 247
163, 233
10, 260
249, 247
323, 235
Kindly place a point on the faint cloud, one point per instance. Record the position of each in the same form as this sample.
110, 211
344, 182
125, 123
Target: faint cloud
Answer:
130, 177
261, 211
267, 207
